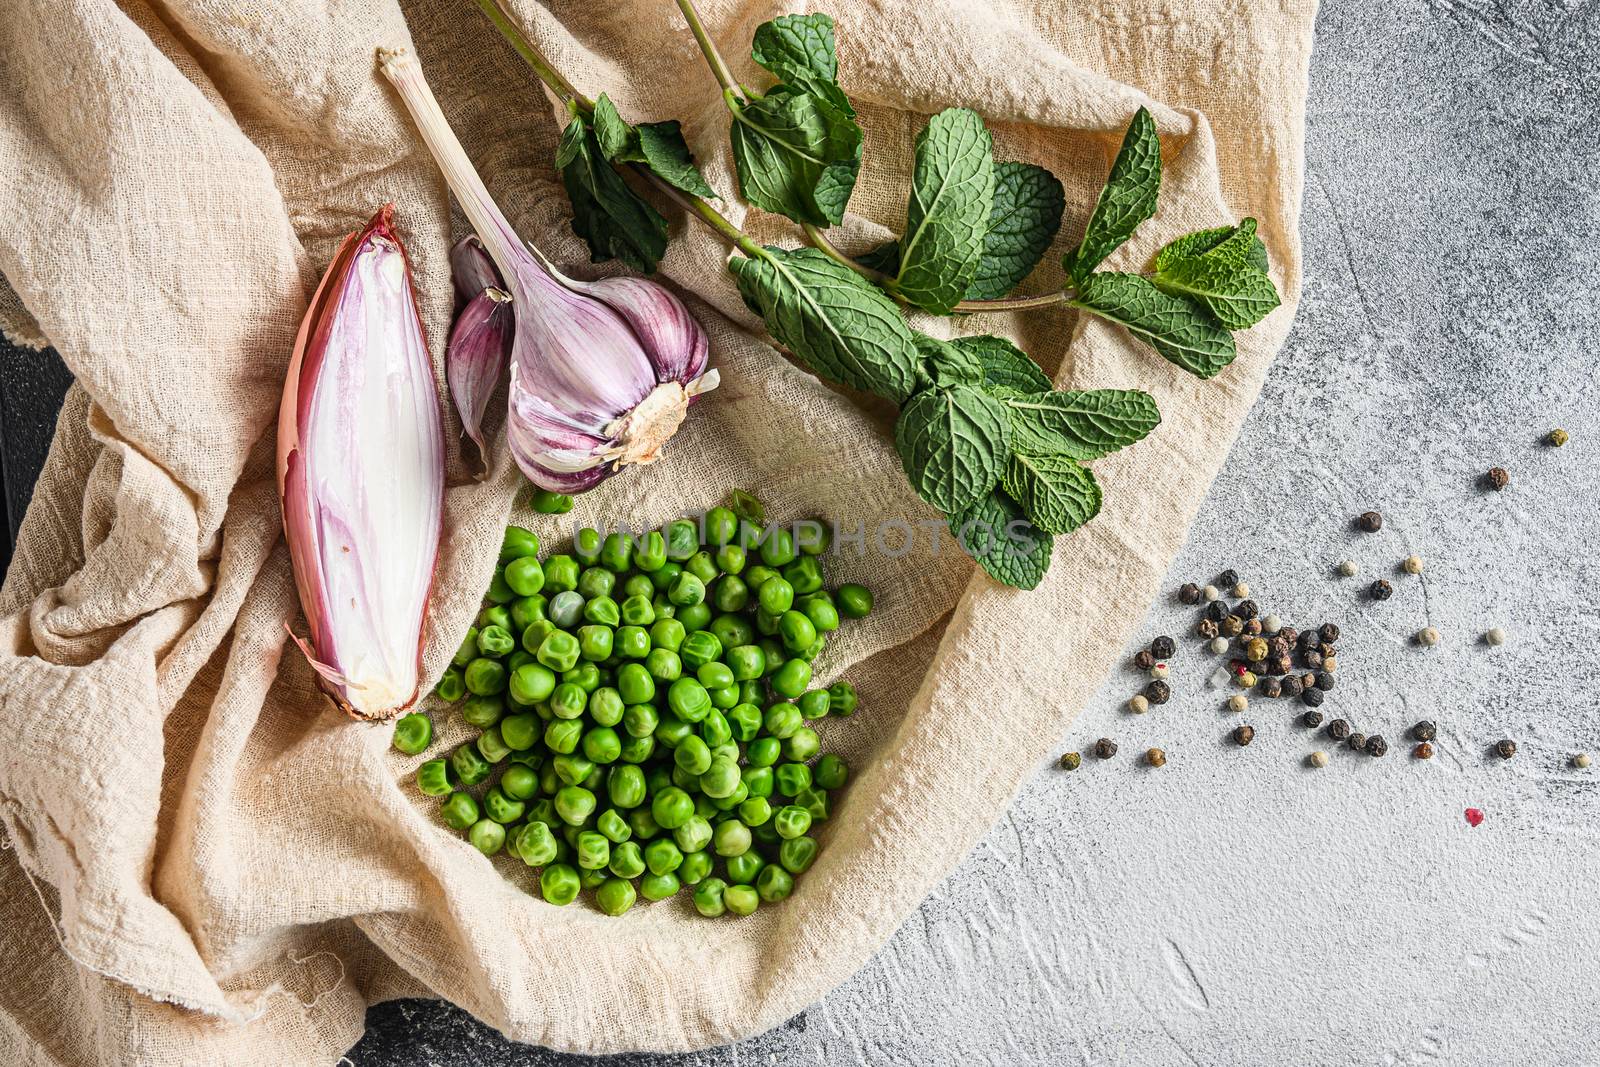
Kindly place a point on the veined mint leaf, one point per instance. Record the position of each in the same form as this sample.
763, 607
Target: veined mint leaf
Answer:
1237, 245
1058, 495
946, 364
953, 442
995, 532
1079, 424
1004, 364
1179, 329
799, 51
1127, 200
797, 155
1027, 213
952, 194
611, 218
1238, 296
658, 145
884, 259
842, 328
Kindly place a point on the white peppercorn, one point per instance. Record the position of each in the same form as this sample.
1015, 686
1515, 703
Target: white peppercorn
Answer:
1581, 760
1271, 624
1210, 593
1412, 565
1159, 671
1348, 568
1318, 758
1219, 645
1494, 637
1427, 637
1138, 704
1241, 590
1238, 702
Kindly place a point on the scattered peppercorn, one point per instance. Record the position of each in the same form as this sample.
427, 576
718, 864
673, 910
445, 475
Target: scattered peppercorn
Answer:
1219, 645
1357, 741
1245, 679
1311, 698
1505, 748
1238, 702
1424, 731
1271, 624
1311, 658
1228, 578
1246, 609
1377, 746
1270, 687
1163, 647
1312, 718
1071, 761
1318, 758
1243, 735
1422, 751
1289, 634
1216, 611
1160, 671
1427, 637
1138, 704
1581, 760
1339, 729
1210, 594
1348, 568
1155, 757
1158, 692
1324, 681
1105, 748
1241, 589
1231, 626
1189, 593
1497, 478
1252, 627
1206, 629
1556, 438
1255, 648
1494, 637
1380, 589
1412, 565
1330, 663
1292, 687
1370, 521
1144, 659
1329, 632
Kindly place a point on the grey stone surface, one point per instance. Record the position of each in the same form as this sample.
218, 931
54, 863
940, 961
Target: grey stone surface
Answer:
1235, 906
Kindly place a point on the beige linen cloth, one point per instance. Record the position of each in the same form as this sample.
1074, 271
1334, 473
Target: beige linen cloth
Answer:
204, 862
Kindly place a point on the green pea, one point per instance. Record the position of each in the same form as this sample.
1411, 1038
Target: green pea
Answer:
782, 719
700, 648
757, 576
543, 810
793, 779
687, 588
460, 810
594, 642
560, 574
804, 575
547, 502
412, 733
777, 547
731, 838
743, 868
495, 615
637, 612
667, 634
602, 745
757, 783
616, 553
708, 898
452, 687
695, 867
615, 896
663, 856
638, 585
813, 537
714, 675
630, 642
627, 858
774, 883
731, 559
586, 676
744, 662
738, 900
659, 886
797, 855
694, 835
731, 630
682, 539
663, 576
586, 545
487, 836
764, 751
842, 698
470, 766
744, 721
721, 780
525, 576
775, 595
672, 730
518, 783
592, 879
499, 592
595, 582
536, 844
640, 720
702, 566
602, 609
694, 616
562, 735
650, 552
573, 769
792, 678
568, 701
500, 807
643, 823
791, 821
773, 655
716, 732
518, 542
721, 526
671, 807
606, 707
823, 615
664, 665
692, 755
801, 745
797, 630
526, 610
730, 593
688, 699
559, 651
813, 703
574, 804
638, 749
550, 785
559, 884
433, 777
754, 811
815, 801
482, 712
534, 635
614, 826
753, 691
831, 772
594, 850
766, 622
485, 677
491, 746
625, 786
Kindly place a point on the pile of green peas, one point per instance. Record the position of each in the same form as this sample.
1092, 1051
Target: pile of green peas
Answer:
644, 704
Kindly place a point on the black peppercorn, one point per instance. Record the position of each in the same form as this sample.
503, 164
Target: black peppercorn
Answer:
1497, 478
1246, 609
1277, 647
1370, 521
1376, 745
1269, 686
1144, 659
1189, 593
1329, 632
1157, 692
1216, 611
1380, 589
1228, 579
1206, 629
1311, 658
1308, 639
1312, 718
1243, 735
1505, 748
1424, 731
1327, 650
1357, 741
1311, 698
1163, 647
1279, 664
1252, 627
1105, 748
1339, 729
1289, 634
1324, 680
1292, 687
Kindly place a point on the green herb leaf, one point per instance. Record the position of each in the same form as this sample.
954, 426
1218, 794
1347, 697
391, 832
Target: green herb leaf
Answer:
1058, 495
799, 51
885, 258
952, 195
1078, 424
1237, 296
615, 221
995, 532
658, 145
953, 442
797, 155
1027, 213
1004, 364
1127, 200
946, 364
745, 504
1238, 245
1179, 329
843, 328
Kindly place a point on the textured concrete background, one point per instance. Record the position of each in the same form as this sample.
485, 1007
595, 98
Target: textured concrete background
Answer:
1236, 907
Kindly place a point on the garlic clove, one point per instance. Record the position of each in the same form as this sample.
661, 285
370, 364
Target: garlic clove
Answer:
475, 359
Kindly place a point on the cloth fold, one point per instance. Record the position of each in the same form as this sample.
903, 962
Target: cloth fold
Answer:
204, 862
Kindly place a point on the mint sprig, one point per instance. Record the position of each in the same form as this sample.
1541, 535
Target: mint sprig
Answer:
657, 145
612, 219
952, 195
1028, 202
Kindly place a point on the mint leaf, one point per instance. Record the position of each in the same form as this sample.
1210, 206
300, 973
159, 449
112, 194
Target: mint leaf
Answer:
953, 442
836, 323
952, 194
1004, 364
611, 218
1027, 213
945, 364
658, 145
884, 259
1237, 296
1127, 200
1237, 245
796, 154
1058, 495
800, 53
1079, 424
1179, 329
995, 532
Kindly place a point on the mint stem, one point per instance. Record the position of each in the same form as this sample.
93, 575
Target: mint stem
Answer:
820, 242
1015, 303
708, 48
517, 39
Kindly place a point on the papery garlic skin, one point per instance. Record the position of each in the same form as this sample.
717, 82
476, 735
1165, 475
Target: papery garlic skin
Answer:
475, 358
361, 475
